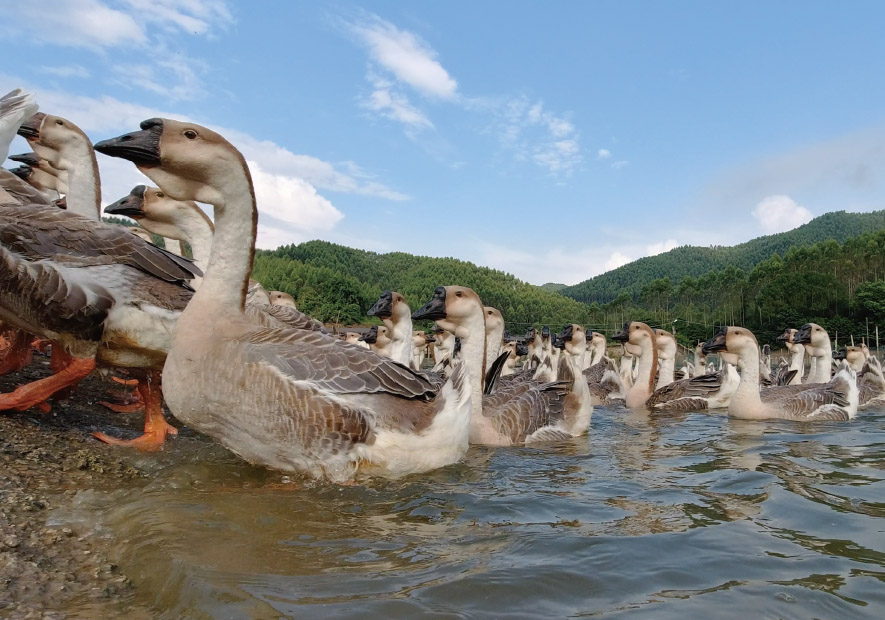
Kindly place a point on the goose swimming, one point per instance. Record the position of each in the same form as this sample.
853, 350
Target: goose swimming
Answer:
291, 399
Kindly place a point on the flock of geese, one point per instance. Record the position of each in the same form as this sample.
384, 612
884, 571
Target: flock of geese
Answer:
244, 366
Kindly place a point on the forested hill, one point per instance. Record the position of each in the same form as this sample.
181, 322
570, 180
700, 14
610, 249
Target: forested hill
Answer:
334, 283
696, 261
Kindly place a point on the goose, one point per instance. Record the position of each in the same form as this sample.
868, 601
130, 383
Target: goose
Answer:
520, 414
514, 351
700, 393
291, 399
595, 349
494, 334
686, 371
666, 345
185, 221
420, 341
396, 315
797, 355
50, 185
279, 298
765, 365
34, 161
625, 367
643, 337
870, 380
700, 360
355, 339
817, 344
378, 340
67, 148
836, 400
443, 347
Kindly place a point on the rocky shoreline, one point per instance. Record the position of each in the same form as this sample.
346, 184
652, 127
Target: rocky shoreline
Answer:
51, 570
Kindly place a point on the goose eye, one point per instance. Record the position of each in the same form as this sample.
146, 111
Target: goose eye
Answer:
458, 294
190, 134
161, 195
59, 122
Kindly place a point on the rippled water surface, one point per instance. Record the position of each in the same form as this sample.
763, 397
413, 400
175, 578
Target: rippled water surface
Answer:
676, 517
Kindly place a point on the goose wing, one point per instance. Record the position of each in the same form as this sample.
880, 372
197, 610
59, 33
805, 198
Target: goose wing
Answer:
282, 317
525, 408
700, 387
595, 373
825, 402
19, 191
39, 232
335, 367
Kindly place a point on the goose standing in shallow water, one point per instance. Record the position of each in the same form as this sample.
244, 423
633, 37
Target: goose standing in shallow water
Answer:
642, 337
296, 400
836, 400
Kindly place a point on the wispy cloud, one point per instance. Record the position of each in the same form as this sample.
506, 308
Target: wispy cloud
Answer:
97, 25
617, 165
779, 213
535, 134
66, 71
404, 55
391, 103
603, 154
176, 77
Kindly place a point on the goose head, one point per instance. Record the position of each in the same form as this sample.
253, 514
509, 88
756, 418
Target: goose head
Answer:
452, 307
787, 337
352, 337
574, 339
279, 298
156, 211
52, 137
141, 232
666, 344
188, 161
636, 333
521, 348
35, 161
494, 320
853, 355
391, 306
736, 340
814, 337
421, 339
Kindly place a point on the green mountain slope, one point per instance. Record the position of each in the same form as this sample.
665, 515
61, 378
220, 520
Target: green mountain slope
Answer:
696, 261
336, 283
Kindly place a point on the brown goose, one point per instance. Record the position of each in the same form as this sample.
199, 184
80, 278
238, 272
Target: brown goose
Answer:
396, 315
291, 399
641, 336
836, 400
516, 414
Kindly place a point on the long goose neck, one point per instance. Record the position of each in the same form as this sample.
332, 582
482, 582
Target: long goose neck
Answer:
400, 327
198, 232
648, 366
226, 277
825, 363
493, 344
83, 181
473, 353
797, 358
748, 388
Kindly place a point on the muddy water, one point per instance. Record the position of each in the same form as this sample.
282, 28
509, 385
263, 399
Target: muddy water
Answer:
692, 516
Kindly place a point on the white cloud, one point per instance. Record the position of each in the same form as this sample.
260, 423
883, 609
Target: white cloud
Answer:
175, 77
661, 247
603, 154
66, 71
390, 103
96, 25
293, 200
407, 57
533, 133
617, 259
617, 165
778, 213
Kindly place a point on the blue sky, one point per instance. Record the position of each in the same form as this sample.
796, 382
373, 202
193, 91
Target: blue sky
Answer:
551, 140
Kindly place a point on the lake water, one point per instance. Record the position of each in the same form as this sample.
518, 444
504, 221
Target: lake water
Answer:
660, 517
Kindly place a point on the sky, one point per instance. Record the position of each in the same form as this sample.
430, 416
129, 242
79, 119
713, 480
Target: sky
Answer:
554, 141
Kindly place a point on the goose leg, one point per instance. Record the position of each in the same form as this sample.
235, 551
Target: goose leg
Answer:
37, 392
18, 353
60, 359
132, 401
155, 426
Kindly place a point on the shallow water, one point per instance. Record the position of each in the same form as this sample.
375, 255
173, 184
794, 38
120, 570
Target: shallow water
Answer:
666, 517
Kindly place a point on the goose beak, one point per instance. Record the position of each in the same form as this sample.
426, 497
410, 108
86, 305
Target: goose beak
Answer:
716, 343
522, 349
434, 309
621, 336
22, 172
566, 334
803, 336
29, 159
784, 337
371, 336
428, 339
383, 307
558, 342
30, 129
142, 148
130, 206
61, 203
